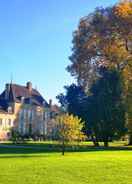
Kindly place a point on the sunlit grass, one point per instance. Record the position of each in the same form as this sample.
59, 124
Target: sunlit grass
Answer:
93, 166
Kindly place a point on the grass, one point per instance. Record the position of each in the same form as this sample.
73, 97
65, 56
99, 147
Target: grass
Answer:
42, 163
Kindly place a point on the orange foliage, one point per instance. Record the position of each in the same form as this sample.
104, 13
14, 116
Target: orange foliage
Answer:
124, 9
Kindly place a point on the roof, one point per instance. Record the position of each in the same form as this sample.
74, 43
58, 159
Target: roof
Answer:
3, 105
17, 93
55, 108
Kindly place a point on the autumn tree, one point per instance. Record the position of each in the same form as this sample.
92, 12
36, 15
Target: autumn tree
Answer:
68, 128
123, 13
104, 39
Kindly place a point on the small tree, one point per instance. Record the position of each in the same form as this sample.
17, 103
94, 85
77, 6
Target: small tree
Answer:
68, 129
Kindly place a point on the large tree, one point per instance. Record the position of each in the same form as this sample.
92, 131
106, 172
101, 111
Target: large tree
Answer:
104, 39
108, 112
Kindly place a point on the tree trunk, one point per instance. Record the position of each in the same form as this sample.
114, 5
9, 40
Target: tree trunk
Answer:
63, 147
130, 139
97, 144
106, 143
95, 141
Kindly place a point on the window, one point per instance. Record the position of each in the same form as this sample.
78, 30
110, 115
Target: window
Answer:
29, 115
0, 122
47, 115
8, 134
9, 109
9, 122
43, 115
24, 113
20, 115
32, 115
22, 99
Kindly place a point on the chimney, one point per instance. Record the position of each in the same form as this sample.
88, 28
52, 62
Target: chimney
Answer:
29, 86
7, 87
7, 90
50, 102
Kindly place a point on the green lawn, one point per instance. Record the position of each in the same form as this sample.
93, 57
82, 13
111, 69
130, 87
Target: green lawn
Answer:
37, 165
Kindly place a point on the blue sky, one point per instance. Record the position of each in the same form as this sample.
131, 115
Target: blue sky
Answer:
35, 41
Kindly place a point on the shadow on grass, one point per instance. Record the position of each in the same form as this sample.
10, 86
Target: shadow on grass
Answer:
43, 150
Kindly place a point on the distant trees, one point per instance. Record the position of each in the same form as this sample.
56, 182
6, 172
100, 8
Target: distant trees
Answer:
68, 128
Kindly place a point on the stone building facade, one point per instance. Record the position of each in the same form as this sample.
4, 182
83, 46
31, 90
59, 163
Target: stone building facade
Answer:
24, 109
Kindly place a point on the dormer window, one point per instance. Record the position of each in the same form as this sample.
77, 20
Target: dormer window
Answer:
22, 99
9, 109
